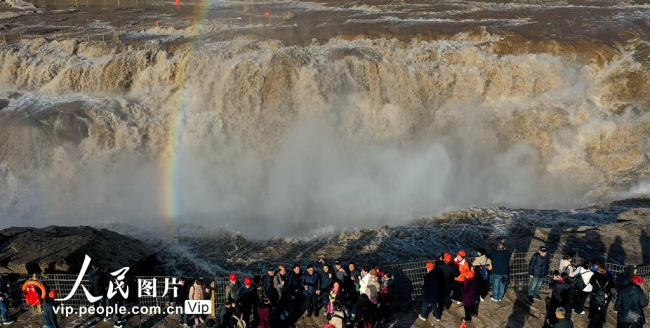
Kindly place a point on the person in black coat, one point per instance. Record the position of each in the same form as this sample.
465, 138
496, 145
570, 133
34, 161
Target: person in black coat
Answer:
537, 270
182, 294
500, 271
600, 281
449, 273
295, 289
49, 317
225, 314
98, 285
117, 300
631, 298
564, 295
563, 321
433, 282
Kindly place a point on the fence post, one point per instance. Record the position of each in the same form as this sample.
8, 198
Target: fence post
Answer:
213, 285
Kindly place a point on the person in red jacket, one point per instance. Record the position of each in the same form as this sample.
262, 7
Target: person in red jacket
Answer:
386, 296
463, 268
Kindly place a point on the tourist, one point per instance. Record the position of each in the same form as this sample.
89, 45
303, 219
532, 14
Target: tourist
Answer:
459, 281
537, 270
366, 312
179, 300
630, 304
449, 273
372, 287
4, 300
386, 296
233, 287
583, 286
225, 313
98, 285
353, 287
432, 290
281, 284
484, 265
49, 316
470, 295
330, 297
601, 296
339, 316
327, 277
295, 288
311, 289
341, 274
246, 299
562, 320
199, 292
500, 271
117, 300
563, 295
264, 312
566, 265
268, 289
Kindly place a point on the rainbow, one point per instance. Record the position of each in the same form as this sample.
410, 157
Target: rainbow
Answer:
170, 208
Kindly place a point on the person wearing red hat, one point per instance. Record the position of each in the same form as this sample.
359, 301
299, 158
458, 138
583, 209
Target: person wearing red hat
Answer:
630, 305
463, 268
49, 316
246, 299
431, 290
232, 289
449, 274
470, 295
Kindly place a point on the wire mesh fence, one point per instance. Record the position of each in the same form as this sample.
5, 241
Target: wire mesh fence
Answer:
518, 278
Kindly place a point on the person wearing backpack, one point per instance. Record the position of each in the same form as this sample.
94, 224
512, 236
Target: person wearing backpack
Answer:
630, 303
601, 296
484, 266
537, 270
580, 280
563, 296
566, 265
500, 270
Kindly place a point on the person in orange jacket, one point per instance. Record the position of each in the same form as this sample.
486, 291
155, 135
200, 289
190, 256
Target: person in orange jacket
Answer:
463, 268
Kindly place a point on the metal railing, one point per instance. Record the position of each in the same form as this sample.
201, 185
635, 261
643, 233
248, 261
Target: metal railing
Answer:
518, 278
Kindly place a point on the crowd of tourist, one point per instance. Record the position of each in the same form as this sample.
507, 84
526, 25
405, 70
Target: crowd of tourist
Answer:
345, 294
348, 296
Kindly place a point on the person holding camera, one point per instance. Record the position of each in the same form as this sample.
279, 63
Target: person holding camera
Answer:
563, 295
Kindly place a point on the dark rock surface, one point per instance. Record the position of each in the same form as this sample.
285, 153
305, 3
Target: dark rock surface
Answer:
61, 250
